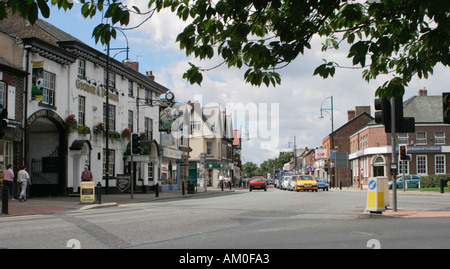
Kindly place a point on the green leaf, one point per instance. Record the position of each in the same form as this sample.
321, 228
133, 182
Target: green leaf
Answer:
33, 13
45, 10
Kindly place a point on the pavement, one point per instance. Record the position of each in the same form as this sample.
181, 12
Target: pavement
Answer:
47, 205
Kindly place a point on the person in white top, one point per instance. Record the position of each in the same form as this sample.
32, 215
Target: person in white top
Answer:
220, 180
24, 179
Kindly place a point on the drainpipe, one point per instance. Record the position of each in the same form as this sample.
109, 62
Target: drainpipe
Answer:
25, 100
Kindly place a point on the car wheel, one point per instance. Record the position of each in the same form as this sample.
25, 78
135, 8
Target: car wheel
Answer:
265, 189
250, 189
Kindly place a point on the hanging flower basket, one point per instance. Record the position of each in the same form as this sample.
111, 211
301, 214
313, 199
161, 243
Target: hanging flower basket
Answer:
126, 133
84, 130
71, 123
99, 128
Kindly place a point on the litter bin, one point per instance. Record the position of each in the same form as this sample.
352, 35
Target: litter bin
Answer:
377, 195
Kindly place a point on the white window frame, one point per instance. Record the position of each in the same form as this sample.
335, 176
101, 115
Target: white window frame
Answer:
439, 140
48, 90
421, 163
421, 141
439, 168
81, 110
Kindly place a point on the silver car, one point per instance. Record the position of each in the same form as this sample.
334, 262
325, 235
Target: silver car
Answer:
285, 183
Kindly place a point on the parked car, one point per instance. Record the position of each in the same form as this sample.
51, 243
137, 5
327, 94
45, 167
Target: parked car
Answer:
257, 183
322, 183
412, 181
285, 183
292, 182
306, 182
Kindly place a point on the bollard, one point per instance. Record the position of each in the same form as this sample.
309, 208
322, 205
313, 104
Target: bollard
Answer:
221, 185
441, 183
99, 193
5, 197
157, 190
182, 188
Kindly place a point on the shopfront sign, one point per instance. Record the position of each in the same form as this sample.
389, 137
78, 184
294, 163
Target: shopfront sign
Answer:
97, 90
123, 182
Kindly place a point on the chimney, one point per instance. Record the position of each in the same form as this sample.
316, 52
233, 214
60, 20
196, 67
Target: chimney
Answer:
350, 114
150, 75
132, 65
423, 92
361, 109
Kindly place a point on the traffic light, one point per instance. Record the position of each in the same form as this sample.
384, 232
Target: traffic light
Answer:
3, 123
135, 144
446, 107
402, 153
383, 116
383, 113
403, 124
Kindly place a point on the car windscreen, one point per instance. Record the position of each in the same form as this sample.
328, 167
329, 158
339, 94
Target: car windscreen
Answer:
306, 178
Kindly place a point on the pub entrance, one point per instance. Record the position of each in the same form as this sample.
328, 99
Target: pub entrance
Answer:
46, 153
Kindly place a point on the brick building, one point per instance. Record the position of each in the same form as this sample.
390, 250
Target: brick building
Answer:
357, 119
370, 147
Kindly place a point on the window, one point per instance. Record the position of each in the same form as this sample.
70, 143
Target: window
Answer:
148, 126
6, 154
3, 91
208, 148
111, 162
150, 171
403, 139
421, 138
112, 79
440, 164
439, 138
48, 90
196, 126
130, 120
148, 97
422, 164
112, 116
403, 165
81, 109
81, 68
130, 88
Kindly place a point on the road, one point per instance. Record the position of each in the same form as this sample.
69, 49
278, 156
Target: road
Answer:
238, 220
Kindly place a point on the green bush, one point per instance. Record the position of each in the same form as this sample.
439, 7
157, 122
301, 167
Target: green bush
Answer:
433, 181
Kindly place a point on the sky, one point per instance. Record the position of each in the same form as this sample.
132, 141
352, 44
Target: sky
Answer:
279, 116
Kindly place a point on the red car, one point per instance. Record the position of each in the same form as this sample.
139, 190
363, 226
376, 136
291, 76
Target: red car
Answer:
257, 183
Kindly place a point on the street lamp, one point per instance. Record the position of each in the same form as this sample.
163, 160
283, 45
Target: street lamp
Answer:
332, 128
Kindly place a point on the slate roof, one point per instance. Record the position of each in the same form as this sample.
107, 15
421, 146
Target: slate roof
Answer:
425, 109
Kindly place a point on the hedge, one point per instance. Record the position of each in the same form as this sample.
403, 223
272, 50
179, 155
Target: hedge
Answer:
433, 181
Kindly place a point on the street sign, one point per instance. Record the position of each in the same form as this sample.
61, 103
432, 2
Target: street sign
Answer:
341, 159
123, 183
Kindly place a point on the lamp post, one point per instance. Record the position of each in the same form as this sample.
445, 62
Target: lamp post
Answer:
332, 129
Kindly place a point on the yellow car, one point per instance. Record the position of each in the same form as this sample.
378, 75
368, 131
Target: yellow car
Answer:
306, 182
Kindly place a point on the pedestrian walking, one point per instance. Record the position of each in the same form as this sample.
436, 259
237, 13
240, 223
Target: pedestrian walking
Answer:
220, 181
24, 179
8, 180
87, 174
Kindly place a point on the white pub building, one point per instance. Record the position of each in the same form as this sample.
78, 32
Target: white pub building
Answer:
65, 112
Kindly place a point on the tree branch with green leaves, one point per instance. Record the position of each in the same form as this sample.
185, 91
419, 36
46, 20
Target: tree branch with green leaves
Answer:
386, 37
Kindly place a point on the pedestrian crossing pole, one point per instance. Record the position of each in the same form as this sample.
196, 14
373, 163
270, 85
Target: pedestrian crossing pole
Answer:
394, 161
